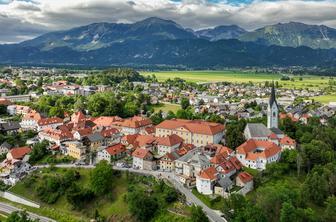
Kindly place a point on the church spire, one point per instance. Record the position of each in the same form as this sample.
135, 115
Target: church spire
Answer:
272, 110
273, 98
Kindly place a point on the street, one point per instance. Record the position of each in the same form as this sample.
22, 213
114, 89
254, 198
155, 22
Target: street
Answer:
6, 208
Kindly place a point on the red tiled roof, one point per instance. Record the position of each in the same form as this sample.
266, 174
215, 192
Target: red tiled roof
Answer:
135, 122
236, 163
84, 131
48, 121
143, 140
286, 140
129, 139
106, 121
227, 167
185, 148
32, 115
245, 177
248, 148
109, 132
194, 126
170, 140
141, 153
5, 102
208, 173
20, 152
116, 149
217, 159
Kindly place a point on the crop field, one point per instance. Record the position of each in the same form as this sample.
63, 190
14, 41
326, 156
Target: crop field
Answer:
307, 81
325, 98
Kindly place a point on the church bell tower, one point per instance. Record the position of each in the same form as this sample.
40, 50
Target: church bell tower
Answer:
272, 111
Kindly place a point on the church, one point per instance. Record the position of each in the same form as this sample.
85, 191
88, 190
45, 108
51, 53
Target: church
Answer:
272, 133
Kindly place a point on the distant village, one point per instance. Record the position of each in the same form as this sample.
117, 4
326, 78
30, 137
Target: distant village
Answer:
194, 150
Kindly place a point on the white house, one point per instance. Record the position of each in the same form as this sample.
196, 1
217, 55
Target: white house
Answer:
206, 180
168, 144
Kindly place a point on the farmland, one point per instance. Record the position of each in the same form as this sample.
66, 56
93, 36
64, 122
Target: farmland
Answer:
306, 81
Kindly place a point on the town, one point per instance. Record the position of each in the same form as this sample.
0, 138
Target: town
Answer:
67, 119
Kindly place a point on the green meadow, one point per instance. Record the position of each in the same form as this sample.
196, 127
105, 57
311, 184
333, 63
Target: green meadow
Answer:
307, 81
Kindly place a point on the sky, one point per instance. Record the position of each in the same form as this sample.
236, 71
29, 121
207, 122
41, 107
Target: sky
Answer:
25, 19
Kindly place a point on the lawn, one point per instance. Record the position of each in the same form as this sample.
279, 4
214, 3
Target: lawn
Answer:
307, 81
165, 107
325, 99
214, 203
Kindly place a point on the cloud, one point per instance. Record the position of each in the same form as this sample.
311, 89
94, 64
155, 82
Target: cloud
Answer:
25, 19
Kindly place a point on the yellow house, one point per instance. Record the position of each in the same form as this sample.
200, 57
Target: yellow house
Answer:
76, 150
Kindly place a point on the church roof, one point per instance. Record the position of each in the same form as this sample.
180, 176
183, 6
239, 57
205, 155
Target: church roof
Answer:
273, 97
258, 130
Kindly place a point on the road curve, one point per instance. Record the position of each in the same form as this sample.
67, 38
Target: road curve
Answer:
6, 208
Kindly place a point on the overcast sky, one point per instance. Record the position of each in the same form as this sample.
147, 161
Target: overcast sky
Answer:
25, 19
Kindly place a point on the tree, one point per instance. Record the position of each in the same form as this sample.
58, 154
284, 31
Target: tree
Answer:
3, 109
39, 151
19, 216
185, 103
288, 212
315, 186
149, 205
197, 214
330, 210
101, 178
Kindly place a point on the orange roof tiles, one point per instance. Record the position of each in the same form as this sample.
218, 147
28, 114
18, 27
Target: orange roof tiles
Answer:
32, 115
208, 173
170, 140
194, 126
116, 149
267, 149
141, 153
20, 152
135, 122
245, 177
286, 140
106, 121
49, 121
109, 132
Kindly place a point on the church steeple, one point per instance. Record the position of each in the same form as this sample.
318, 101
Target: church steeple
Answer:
272, 110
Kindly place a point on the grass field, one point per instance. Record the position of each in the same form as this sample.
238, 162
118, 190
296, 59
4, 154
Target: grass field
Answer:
165, 107
241, 77
325, 99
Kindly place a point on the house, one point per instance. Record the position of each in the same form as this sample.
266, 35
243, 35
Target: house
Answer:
56, 136
18, 153
110, 153
94, 141
168, 144
9, 127
166, 162
5, 147
244, 180
76, 150
197, 132
143, 159
52, 122
256, 154
111, 135
30, 120
189, 165
135, 125
206, 180
79, 134
106, 122
18, 110
287, 143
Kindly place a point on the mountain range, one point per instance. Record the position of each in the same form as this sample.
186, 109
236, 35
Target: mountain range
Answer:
159, 42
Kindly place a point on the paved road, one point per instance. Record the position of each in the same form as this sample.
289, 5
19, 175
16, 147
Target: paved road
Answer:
191, 198
6, 208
